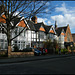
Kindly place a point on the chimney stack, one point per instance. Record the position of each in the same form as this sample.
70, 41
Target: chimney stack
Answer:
55, 24
34, 19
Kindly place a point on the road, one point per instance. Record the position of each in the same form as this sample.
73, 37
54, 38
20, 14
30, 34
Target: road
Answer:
64, 65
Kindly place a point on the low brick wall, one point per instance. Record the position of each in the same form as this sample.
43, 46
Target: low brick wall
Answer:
73, 50
20, 54
69, 51
3, 52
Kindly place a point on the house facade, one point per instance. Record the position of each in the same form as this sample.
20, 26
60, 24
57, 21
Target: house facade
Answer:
39, 32
73, 36
34, 33
64, 36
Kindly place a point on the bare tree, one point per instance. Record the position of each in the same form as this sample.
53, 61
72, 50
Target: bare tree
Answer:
22, 8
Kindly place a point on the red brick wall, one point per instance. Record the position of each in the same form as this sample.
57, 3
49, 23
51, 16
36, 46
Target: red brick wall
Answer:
73, 36
21, 54
66, 34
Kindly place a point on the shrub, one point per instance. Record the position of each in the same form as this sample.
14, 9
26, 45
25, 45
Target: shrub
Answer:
16, 48
64, 50
57, 51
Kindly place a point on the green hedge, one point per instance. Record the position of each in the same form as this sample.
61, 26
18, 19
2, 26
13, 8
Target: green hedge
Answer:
57, 51
63, 51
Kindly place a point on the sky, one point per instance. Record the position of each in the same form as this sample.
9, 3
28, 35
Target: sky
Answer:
64, 14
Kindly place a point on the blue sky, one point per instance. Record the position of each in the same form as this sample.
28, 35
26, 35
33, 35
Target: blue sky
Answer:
64, 13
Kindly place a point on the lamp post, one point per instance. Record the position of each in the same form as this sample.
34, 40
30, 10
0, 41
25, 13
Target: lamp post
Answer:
71, 48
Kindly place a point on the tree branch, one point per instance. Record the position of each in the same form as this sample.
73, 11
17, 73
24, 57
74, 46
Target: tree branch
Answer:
18, 34
21, 11
17, 7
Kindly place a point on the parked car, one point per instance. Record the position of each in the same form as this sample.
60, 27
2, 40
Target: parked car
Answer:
37, 52
44, 51
29, 49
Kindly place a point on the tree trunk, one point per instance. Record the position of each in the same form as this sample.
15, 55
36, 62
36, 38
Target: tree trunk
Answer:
9, 48
9, 42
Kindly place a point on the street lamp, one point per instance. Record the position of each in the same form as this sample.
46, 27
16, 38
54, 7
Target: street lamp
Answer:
71, 48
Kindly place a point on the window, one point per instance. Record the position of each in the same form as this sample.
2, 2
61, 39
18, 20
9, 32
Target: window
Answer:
68, 37
41, 35
16, 31
1, 44
2, 30
51, 35
20, 44
24, 33
62, 38
6, 45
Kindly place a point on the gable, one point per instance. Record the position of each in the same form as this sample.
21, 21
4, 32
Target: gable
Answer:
22, 23
68, 34
62, 33
42, 29
3, 20
51, 30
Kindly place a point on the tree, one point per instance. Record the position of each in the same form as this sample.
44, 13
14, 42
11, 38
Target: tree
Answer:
47, 43
22, 8
55, 44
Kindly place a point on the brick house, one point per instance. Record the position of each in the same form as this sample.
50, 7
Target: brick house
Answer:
73, 36
64, 35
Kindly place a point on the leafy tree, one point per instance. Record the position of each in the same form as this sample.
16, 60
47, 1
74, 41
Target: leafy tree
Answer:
47, 43
51, 46
55, 44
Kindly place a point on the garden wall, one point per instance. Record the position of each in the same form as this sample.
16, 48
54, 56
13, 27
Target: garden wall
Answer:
20, 54
3, 52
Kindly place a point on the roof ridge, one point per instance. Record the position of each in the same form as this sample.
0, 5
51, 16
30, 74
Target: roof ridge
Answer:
62, 27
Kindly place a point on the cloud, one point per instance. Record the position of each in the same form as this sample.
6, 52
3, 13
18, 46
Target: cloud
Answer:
42, 20
48, 3
67, 16
47, 10
49, 22
61, 9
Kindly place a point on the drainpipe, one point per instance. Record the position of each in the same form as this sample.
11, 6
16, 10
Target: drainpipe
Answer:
36, 37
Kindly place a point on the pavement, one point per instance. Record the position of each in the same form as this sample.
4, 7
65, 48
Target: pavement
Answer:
32, 58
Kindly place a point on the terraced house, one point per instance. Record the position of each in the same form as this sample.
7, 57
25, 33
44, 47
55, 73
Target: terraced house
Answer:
39, 32
35, 33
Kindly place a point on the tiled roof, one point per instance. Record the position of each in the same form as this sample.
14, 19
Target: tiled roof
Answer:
37, 26
16, 20
59, 29
31, 24
47, 28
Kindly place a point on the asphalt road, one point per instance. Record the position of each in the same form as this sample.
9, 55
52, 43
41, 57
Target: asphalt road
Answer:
64, 65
